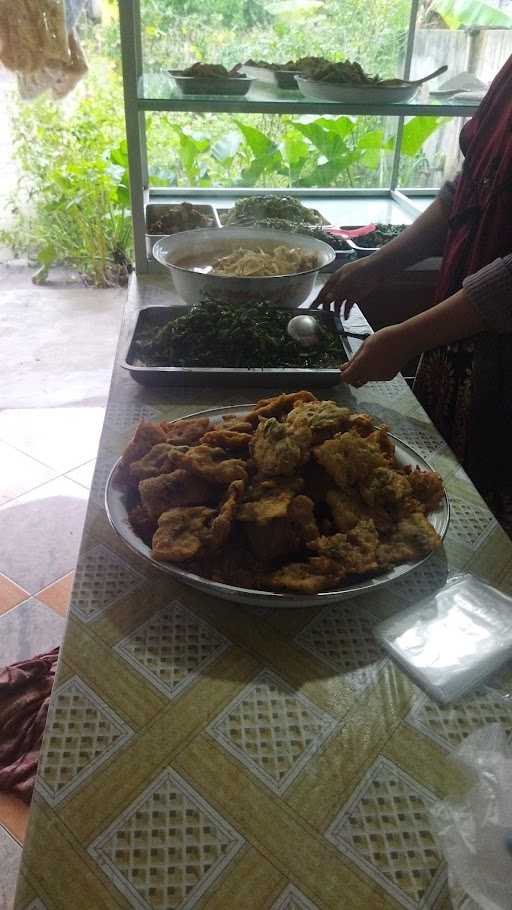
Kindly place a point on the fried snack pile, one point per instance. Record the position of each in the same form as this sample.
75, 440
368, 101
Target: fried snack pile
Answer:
298, 495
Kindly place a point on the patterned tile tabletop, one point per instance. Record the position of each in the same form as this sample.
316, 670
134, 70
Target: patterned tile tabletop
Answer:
203, 754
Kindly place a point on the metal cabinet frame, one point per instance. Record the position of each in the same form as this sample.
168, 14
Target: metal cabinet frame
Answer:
136, 106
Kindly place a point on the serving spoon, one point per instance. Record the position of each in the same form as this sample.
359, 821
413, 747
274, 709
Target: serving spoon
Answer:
305, 331
437, 72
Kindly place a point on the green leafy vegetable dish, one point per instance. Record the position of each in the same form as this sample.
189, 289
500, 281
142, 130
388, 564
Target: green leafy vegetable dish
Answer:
250, 335
256, 208
382, 234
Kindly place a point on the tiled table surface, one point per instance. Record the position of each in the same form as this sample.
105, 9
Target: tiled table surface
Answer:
204, 754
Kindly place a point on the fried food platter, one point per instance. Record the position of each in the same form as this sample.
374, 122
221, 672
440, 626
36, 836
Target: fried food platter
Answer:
119, 507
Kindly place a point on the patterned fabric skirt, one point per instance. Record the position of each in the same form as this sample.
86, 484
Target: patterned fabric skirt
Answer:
466, 389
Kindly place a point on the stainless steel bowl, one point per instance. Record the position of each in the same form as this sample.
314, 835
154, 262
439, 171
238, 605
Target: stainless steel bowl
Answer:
283, 290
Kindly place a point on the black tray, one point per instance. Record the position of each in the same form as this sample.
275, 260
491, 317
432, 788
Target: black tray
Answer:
153, 317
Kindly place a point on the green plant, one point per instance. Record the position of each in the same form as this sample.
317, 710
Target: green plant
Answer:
471, 14
72, 199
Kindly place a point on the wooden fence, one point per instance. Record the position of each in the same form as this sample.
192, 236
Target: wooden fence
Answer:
478, 51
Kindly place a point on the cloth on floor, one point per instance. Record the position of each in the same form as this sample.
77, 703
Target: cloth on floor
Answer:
25, 690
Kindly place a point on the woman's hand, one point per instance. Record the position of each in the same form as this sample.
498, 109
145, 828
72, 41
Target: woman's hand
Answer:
350, 285
380, 357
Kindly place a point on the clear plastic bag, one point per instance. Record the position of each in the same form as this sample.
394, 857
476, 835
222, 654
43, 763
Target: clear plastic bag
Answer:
450, 642
475, 831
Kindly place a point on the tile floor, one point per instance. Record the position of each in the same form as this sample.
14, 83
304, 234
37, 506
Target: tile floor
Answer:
51, 417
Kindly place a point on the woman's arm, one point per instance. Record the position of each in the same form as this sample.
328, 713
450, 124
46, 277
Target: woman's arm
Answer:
425, 237
384, 354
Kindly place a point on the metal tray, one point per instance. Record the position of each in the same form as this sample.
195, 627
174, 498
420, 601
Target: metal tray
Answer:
161, 208
153, 317
116, 505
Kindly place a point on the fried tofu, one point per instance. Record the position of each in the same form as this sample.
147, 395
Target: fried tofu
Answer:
161, 459
142, 523
285, 535
210, 463
223, 521
145, 437
179, 536
269, 498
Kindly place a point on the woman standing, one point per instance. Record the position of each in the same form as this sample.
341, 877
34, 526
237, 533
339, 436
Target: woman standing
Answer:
465, 376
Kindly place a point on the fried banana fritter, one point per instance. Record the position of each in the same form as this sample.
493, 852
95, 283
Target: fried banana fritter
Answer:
277, 450
185, 432
168, 491
315, 499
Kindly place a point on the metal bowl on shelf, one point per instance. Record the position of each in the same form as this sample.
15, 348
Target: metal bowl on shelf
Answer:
178, 252
211, 85
356, 94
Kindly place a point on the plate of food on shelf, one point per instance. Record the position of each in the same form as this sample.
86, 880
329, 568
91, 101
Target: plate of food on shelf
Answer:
281, 75
347, 81
288, 502
211, 79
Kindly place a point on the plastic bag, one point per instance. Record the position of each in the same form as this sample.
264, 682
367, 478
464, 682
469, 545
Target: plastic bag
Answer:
451, 641
475, 833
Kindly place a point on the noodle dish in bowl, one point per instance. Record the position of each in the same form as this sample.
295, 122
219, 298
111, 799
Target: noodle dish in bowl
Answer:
238, 263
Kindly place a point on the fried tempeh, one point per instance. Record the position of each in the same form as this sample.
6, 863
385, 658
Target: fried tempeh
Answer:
185, 432
168, 491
